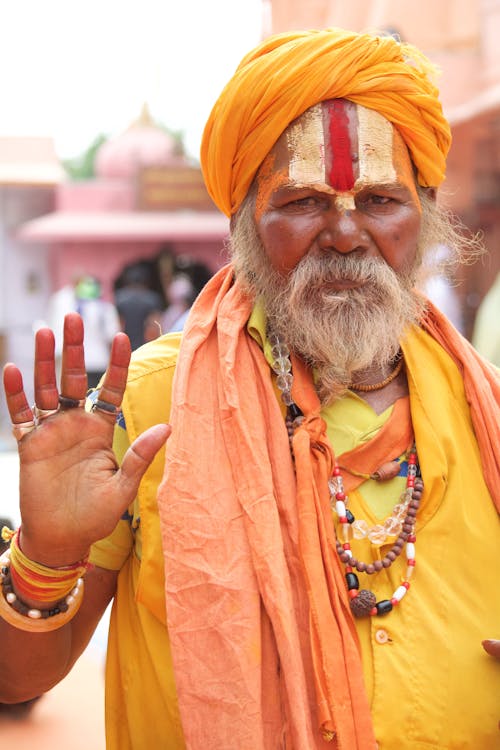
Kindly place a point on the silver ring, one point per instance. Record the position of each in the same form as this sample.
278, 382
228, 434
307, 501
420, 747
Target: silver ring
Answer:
105, 408
22, 429
71, 403
41, 414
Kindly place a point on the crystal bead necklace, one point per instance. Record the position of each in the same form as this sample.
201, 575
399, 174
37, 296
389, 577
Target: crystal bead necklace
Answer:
401, 522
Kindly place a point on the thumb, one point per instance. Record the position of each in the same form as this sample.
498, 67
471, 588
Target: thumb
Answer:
140, 455
492, 647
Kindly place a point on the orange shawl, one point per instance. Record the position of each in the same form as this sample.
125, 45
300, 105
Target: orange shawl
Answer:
262, 637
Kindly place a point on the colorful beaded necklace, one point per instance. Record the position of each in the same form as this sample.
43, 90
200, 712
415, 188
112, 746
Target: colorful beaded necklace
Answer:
401, 522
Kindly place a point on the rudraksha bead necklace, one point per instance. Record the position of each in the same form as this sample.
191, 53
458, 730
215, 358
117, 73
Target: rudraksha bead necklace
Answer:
363, 602
364, 388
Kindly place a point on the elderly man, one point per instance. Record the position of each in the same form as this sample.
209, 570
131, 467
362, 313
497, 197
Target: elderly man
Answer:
266, 583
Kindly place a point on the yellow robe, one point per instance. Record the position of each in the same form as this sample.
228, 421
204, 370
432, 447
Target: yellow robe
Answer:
429, 682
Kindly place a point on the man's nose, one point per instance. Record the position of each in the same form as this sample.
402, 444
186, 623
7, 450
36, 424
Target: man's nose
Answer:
343, 231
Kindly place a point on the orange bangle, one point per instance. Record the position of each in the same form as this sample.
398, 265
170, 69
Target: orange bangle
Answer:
39, 582
21, 616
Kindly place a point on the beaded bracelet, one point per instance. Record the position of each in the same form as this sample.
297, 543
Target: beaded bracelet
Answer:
21, 616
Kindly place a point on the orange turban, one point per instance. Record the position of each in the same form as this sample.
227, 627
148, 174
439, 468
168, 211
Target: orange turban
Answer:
288, 73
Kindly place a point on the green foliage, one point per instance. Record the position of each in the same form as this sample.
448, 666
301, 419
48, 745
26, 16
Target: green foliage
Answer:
82, 167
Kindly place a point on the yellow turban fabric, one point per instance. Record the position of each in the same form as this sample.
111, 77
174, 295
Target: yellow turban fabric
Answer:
288, 73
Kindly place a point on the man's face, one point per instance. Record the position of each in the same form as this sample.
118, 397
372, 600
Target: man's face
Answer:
338, 180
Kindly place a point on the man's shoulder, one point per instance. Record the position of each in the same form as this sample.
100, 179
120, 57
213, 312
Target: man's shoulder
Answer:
155, 357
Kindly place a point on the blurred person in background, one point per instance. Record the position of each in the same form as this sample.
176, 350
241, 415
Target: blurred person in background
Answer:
163, 269
61, 302
101, 322
441, 289
486, 333
137, 302
188, 279
180, 296
84, 295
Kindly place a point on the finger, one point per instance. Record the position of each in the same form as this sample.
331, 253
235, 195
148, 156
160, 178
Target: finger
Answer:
492, 647
139, 456
115, 379
73, 374
17, 403
45, 371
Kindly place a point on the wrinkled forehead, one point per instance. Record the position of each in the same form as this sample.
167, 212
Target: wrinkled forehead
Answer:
340, 146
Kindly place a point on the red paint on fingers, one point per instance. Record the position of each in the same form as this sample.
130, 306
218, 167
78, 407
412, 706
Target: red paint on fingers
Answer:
116, 375
120, 350
73, 373
12, 379
17, 403
45, 372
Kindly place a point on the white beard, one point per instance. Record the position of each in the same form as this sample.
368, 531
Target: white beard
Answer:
337, 333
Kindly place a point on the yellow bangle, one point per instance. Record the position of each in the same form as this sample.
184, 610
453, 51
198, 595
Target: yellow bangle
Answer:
31, 619
37, 582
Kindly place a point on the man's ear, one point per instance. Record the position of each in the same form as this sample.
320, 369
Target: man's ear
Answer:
430, 192
249, 199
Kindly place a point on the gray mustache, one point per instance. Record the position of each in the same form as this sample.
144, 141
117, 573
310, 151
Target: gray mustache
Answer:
342, 268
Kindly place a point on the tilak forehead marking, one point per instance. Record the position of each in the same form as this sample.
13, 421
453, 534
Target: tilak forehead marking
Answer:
375, 148
324, 150
341, 152
306, 148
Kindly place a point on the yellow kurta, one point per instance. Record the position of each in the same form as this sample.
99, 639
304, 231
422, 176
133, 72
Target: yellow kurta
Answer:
429, 682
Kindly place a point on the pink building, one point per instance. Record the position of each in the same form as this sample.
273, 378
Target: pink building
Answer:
145, 196
461, 37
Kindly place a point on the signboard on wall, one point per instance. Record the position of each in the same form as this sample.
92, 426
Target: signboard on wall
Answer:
172, 189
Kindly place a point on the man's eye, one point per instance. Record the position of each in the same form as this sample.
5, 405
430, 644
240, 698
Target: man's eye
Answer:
304, 202
379, 200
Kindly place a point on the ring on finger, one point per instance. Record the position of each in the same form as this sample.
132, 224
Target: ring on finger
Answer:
22, 428
71, 403
105, 407
41, 414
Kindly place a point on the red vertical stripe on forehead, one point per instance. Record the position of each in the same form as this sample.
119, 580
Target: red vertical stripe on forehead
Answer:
340, 174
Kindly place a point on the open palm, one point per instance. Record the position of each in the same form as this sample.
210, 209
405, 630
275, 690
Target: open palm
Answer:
72, 491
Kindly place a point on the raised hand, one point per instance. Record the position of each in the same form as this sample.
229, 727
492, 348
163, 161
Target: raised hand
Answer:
72, 492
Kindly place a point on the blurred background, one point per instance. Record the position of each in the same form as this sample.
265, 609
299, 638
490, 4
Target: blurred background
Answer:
102, 204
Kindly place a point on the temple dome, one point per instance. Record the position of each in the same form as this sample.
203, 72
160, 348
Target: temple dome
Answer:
143, 144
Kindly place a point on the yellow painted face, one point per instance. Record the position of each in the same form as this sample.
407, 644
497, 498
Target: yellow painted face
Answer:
336, 147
